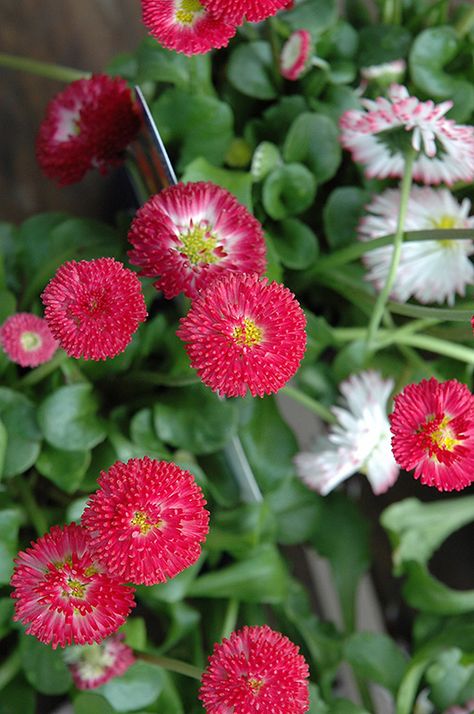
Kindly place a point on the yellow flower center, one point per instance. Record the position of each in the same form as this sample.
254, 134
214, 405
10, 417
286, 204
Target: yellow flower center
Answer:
141, 520
443, 437
187, 10
30, 341
199, 244
247, 334
255, 684
445, 223
77, 589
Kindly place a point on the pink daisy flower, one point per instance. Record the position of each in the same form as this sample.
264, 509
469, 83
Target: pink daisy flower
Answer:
187, 26
88, 125
380, 136
191, 233
244, 333
63, 595
94, 665
147, 520
255, 670
94, 307
27, 339
296, 54
433, 432
238, 10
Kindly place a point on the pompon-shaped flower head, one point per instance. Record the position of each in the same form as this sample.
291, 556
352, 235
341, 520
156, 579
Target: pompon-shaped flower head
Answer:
191, 233
239, 10
94, 665
87, 125
295, 54
433, 432
255, 670
380, 136
430, 271
93, 307
359, 442
27, 339
187, 26
63, 595
147, 520
244, 333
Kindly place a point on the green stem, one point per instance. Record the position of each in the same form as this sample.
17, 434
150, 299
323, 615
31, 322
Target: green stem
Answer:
384, 294
275, 45
9, 668
312, 404
44, 69
465, 23
44, 370
230, 618
434, 313
172, 665
31, 507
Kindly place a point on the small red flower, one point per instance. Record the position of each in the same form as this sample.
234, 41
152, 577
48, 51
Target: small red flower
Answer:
243, 332
88, 125
94, 307
27, 339
250, 10
255, 670
94, 665
433, 432
295, 54
147, 520
186, 25
63, 595
191, 233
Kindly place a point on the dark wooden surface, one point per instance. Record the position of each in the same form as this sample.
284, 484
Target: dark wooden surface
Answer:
84, 34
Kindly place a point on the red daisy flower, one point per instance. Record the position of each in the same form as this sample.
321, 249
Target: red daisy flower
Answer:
186, 25
238, 10
94, 665
93, 307
191, 233
255, 670
88, 125
63, 595
295, 55
433, 432
244, 333
147, 520
27, 339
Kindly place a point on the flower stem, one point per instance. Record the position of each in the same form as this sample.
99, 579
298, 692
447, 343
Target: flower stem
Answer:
44, 69
384, 294
172, 665
31, 507
312, 404
465, 23
242, 471
44, 370
230, 619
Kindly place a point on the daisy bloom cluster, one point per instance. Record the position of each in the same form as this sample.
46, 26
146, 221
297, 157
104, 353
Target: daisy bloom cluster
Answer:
94, 307
296, 55
27, 339
146, 521
94, 665
244, 333
430, 271
191, 233
255, 670
63, 595
381, 136
433, 432
88, 125
359, 442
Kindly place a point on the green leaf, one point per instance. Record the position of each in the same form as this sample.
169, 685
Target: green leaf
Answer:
250, 70
89, 703
3, 446
6, 615
9, 525
18, 415
314, 15
237, 182
143, 433
314, 140
450, 680
296, 244
138, 687
7, 304
44, 667
156, 64
382, 43
17, 697
428, 594
195, 419
296, 510
241, 529
376, 657
342, 213
135, 633
266, 157
274, 271
68, 418
64, 468
288, 190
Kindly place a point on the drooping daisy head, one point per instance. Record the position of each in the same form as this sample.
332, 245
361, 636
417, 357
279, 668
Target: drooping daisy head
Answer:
244, 333
190, 233
359, 442
255, 670
295, 54
94, 665
93, 307
239, 10
433, 432
187, 26
27, 339
147, 520
87, 125
381, 136
430, 271
63, 595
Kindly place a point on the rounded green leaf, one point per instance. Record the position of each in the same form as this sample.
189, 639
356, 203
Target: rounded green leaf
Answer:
314, 140
288, 190
44, 667
314, 15
382, 43
138, 687
68, 418
90, 703
376, 657
250, 70
342, 213
64, 468
23, 438
295, 243
237, 182
16, 698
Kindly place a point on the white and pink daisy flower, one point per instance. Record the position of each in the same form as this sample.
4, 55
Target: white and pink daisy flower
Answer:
387, 72
358, 443
295, 55
94, 665
189, 234
380, 137
430, 271
27, 339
